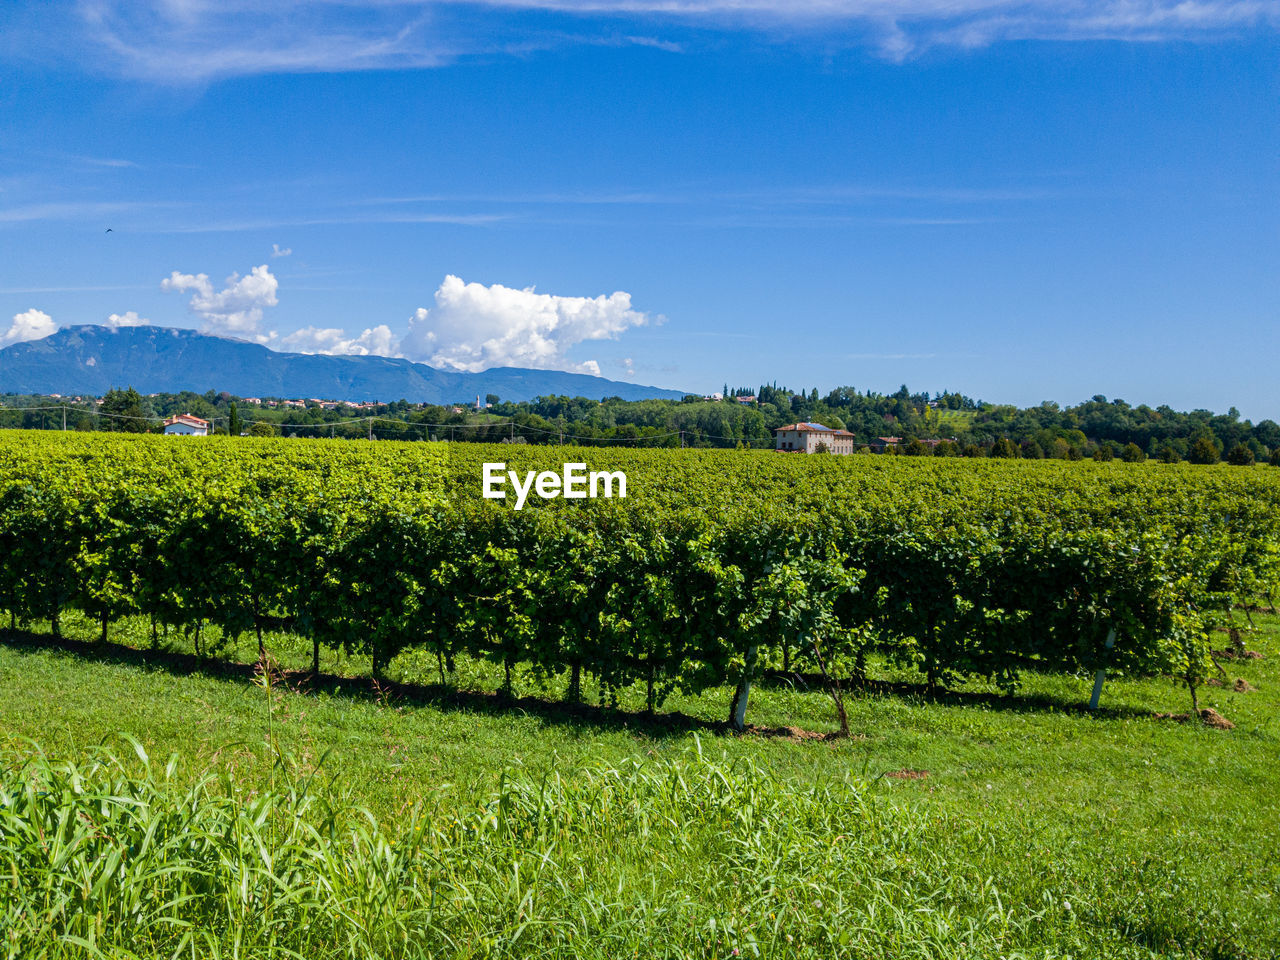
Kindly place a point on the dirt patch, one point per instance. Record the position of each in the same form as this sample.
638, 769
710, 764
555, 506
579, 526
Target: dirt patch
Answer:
1233, 655
1209, 716
908, 774
1240, 685
1212, 718
794, 734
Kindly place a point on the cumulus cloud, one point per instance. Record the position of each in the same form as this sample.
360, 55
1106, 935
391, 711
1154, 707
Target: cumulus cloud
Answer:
279, 251
474, 327
470, 327
29, 325
129, 319
236, 309
376, 341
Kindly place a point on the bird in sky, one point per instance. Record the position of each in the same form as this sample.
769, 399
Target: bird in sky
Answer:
108, 229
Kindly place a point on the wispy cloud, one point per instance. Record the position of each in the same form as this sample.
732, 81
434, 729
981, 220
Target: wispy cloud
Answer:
705, 206
932, 221
113, 162
693, 206
890, 356
72, 210
234, 226
585, 198
187, 41
74, 289
834, 194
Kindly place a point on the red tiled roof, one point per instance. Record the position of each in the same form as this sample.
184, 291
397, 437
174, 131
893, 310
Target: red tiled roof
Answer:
814, 428
186, 418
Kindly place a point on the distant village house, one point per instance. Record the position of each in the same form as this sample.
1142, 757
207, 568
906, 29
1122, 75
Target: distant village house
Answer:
812, 437
185, 425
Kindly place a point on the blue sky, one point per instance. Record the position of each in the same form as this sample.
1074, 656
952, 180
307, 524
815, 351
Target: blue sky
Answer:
1019, 200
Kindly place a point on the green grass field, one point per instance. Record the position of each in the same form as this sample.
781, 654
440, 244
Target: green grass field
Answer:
972, 825
954, 420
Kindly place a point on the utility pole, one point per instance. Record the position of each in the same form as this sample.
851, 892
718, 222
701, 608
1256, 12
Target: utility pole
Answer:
64, 419
371, 428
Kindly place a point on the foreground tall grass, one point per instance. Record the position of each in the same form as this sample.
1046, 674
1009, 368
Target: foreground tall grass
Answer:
689, 856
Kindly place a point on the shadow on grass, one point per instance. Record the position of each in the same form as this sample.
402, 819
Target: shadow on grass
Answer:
559, 712
920, 692
387, 692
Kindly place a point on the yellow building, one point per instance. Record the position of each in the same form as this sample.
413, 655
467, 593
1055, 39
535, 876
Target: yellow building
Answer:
812, 437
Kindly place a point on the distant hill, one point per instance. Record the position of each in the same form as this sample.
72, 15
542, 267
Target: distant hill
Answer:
92, 359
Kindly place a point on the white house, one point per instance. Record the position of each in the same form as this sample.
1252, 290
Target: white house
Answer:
808, 437
185, 425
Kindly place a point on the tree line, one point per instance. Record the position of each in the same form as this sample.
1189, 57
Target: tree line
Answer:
920, 424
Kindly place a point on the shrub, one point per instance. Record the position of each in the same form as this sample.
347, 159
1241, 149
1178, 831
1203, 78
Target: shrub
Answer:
1275, 457
1240, 456
1132, 453
1004, 447
1169, 454
1203, 451
1103, 453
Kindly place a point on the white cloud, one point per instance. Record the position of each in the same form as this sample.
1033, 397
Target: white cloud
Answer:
236, 309
170, 41
278, 251
29, 325
376, 341
86, 211
130, 319
474, 327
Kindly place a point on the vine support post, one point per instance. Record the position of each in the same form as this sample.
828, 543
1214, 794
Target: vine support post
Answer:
1102, 672
738, 709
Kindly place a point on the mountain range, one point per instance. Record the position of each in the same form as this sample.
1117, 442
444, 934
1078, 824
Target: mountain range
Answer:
91, 359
